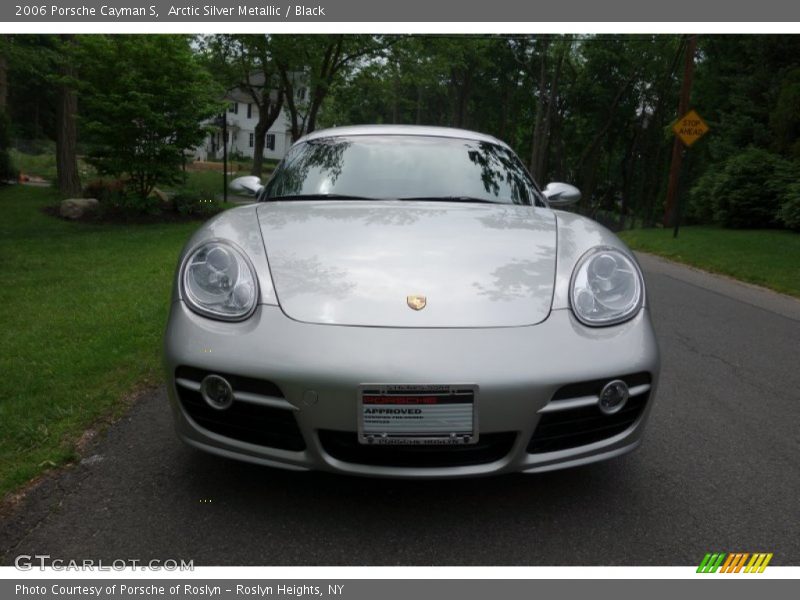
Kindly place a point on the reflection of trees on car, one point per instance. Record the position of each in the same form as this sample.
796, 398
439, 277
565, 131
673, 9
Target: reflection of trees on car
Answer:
497, 163
324, 155
403, 167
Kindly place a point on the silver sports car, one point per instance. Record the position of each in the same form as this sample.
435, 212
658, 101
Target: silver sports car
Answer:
407, 302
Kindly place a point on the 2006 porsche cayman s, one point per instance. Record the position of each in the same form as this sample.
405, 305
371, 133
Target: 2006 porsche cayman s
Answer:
406, 302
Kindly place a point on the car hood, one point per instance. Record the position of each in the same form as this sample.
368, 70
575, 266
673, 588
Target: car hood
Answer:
357, 262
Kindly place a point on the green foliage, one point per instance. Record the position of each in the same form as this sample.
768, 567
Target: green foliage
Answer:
700, 207
103, 189
193, 204
117, 202
32, 90
790, 209
39, 164
746, 191
145, 100
784, 119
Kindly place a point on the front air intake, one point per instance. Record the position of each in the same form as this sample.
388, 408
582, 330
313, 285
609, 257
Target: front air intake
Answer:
573, 418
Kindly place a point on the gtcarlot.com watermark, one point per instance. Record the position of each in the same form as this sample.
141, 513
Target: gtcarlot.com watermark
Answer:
27, 562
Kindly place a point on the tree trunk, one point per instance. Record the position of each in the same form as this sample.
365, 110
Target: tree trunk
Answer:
538, 134
288, 93
544, 139
259, 141
3, 81
671, 208
69, 182
316, 103
268, 112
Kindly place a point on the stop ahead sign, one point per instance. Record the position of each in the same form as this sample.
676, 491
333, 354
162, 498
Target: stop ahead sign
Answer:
690, 128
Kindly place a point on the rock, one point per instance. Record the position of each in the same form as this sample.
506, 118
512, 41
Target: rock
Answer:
76, 208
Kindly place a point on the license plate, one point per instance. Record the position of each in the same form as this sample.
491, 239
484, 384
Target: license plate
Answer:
417, 414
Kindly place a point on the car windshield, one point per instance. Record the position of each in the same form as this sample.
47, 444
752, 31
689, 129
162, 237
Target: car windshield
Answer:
401, 167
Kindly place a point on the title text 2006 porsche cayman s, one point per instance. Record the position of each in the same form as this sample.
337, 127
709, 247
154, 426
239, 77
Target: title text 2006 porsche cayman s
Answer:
406, 302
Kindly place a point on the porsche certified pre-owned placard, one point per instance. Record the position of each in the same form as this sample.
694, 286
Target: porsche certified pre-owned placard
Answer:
417, 414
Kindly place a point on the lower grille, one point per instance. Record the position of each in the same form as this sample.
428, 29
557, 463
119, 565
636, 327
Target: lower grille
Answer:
344, 446
243, 421
571, 428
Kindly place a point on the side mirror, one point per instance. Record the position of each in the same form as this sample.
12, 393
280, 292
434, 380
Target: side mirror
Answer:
250, 184
561, 194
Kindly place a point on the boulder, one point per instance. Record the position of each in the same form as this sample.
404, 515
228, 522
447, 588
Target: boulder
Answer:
76, 208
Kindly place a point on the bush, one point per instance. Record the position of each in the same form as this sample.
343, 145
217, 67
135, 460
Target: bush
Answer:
790, 209
103, 189
700, 208
192, 204
116, 200
746, 191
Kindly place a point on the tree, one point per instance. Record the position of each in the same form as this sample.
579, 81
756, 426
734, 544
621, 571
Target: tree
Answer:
6, 168
247, 62
146, 100
69, 182
310, 66
43, 98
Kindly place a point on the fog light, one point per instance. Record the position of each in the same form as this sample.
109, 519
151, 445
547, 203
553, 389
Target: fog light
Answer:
613, 397
217, 392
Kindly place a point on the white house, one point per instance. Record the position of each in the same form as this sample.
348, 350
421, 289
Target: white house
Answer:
242, 116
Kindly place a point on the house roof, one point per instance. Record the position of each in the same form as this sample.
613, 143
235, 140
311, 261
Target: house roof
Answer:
238, 94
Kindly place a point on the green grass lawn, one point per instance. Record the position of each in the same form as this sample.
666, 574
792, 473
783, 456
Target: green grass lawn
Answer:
765, 257
84, 309
209, 183
44, 165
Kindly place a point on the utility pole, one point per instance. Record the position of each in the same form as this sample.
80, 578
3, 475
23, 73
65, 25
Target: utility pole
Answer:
224, 156
672, 210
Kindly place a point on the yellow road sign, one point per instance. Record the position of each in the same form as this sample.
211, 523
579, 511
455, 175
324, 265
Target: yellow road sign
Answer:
690, 128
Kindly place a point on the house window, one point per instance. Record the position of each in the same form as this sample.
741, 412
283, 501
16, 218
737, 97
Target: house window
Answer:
234, 108
301, 93
270, 141
250, 111
252, 138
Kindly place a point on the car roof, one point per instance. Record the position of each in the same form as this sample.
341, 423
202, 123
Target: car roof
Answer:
448, 132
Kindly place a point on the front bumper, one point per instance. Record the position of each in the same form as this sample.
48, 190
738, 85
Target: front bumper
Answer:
319, 368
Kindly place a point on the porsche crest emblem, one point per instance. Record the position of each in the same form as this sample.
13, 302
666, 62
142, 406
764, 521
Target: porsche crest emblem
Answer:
416, 302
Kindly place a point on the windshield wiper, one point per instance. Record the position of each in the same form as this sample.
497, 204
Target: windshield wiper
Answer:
471, 199
319, 197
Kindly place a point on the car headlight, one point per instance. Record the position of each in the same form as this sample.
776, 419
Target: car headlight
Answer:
218, 281
606, 288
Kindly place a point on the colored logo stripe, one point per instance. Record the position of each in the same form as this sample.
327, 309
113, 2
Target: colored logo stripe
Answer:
711, 562
734, 562
758, 563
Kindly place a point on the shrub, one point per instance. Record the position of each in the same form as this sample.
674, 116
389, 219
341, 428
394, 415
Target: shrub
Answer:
700, 208
746, 191
790, 209
103, 189
126, 204
192, 204
116, 200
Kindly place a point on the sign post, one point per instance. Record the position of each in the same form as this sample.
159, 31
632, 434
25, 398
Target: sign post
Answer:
688, 129
670, 208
